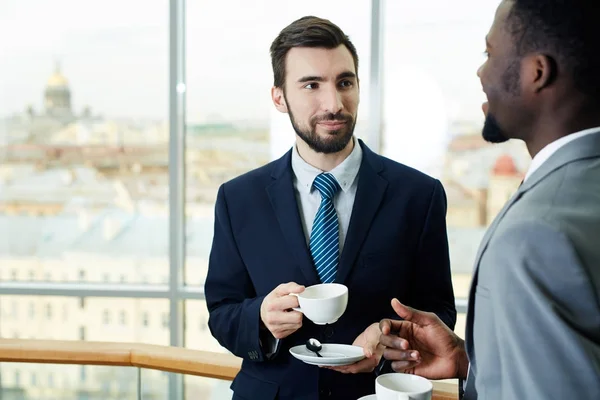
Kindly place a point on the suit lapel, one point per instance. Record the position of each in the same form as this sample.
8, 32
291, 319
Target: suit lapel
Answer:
482, 247
369, 194
283, 200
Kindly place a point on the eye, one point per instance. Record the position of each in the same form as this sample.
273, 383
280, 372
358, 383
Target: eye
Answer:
486, 54
312, 85
346, 83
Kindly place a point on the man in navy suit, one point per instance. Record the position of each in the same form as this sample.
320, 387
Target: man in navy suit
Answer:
329, 210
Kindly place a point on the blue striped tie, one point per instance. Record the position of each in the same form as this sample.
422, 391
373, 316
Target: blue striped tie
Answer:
324, 238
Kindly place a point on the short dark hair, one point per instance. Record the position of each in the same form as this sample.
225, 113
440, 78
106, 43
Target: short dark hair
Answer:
565, 30
307, 31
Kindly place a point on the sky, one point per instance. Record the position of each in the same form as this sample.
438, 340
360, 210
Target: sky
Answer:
115, 54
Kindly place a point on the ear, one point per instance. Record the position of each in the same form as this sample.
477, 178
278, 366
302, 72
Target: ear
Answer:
279, 99
541, 71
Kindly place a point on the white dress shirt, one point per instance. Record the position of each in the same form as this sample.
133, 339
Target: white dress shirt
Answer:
309, 198
553, 147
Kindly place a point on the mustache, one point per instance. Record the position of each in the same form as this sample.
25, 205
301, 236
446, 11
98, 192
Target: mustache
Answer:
338, 117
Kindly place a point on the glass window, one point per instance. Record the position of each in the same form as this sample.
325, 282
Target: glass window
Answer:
90, 323
84, 138
79, 382
200, 339
433, 97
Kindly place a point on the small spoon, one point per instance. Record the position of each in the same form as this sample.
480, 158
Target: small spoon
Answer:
315, 346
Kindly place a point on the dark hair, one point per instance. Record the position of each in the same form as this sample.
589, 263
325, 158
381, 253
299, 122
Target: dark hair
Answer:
565, 30
307, 32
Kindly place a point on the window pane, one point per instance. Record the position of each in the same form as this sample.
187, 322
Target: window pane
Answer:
232, 125
198, 337
197, 387
433, 117
85, 323
83, 141
48, 381
197, 334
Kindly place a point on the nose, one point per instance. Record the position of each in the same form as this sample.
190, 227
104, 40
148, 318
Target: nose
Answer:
332, 101
479, 71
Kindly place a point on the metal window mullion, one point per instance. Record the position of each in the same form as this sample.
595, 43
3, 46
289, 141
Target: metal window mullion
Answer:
83, 290
376, 77
177, 89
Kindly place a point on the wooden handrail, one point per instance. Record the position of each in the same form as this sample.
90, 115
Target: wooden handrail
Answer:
165, 358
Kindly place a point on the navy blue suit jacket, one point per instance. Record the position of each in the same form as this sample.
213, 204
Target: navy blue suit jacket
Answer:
396, 246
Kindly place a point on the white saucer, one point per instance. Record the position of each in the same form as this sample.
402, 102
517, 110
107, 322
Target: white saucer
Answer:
369, 397
334, 355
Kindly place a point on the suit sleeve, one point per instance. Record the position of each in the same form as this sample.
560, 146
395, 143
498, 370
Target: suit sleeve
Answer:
546, 314
234, 308
431, 286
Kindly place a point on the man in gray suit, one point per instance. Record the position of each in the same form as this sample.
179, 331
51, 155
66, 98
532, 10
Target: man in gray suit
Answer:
533, 323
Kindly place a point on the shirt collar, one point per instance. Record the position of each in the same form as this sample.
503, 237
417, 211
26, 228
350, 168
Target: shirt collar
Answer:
553, 147
344, 174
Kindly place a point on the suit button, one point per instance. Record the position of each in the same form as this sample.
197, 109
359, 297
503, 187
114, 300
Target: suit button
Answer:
325, 392
328, 332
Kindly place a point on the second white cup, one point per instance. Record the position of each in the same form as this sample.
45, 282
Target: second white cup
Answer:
397, 386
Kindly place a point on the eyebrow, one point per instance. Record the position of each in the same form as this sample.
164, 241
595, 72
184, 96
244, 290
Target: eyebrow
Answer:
314, 78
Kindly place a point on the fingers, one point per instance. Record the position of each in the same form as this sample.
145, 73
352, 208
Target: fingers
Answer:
394, 342
371, 336
363, 366
276, 318
286, 288
282, 303
411, 314
389, 326
402, 355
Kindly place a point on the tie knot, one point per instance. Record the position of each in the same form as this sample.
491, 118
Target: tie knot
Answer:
326, 184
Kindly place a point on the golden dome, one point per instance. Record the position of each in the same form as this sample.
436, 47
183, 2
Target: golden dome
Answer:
57, 80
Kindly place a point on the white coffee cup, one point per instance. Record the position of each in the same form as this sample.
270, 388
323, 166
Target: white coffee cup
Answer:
324, 303
397, 386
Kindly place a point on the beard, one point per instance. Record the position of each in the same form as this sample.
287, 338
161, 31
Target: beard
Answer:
335, 142
492, 132
511, 81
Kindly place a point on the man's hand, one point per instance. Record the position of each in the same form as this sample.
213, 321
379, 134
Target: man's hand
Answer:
275, 310
422, 345
369, 341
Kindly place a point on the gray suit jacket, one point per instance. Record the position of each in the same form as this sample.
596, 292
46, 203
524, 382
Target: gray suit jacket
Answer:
533, 324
